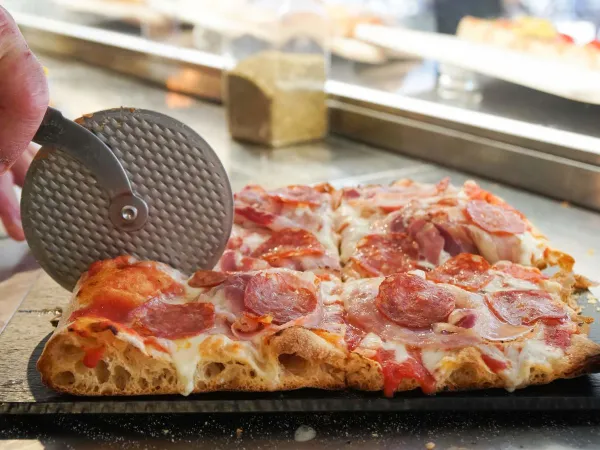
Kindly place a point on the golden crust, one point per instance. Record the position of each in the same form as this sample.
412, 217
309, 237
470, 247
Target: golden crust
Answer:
291, 359
465, 370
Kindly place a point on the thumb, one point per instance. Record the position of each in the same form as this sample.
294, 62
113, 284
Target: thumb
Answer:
23, 92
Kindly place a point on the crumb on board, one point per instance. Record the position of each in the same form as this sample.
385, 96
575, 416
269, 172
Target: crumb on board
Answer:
591, 251
304, 433
598, 308
592, 300
565, 204
430, 446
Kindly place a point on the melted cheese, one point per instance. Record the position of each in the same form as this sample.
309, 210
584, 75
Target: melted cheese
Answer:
533, 353
185, 356
431, 359
400, 353
531, 250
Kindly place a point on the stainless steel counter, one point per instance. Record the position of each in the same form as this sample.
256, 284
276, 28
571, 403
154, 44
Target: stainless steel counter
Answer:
77, 89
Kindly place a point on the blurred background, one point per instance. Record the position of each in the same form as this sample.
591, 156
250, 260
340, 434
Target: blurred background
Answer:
505, 90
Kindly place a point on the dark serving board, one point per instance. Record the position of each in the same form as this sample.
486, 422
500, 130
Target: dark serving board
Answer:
21, 390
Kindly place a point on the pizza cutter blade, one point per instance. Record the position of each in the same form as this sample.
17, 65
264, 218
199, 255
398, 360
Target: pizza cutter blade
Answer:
124, 182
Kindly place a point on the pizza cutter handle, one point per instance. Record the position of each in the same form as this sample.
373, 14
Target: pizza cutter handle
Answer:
127, 211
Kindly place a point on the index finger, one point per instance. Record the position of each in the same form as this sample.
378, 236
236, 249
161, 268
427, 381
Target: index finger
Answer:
23, 92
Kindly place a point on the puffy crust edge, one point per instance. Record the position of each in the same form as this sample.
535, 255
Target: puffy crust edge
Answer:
293, 358
466, 370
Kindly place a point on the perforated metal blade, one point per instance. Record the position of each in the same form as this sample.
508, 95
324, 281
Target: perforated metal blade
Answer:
178, 210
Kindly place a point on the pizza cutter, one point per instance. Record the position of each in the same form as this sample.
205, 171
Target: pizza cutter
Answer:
124, 181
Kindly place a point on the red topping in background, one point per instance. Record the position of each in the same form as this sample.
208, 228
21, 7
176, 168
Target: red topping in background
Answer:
282, 296
442, 185
430, 241
353, 336
525, 307
467, 321
351, 193
557, 337
475, 192
565, 38
297, 194
395, 372
412, 302
173, 321
493, 364
595, 44
206, 279
255, 215
289, 243
470, 272
233, 261
495, 219
531, 274
386, 254
92, 356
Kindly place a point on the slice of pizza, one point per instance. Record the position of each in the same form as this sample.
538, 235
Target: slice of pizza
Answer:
464, 325
410, 225
534, 36
143, 328
289, 228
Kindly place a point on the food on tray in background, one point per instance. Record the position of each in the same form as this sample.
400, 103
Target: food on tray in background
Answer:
344, 19
448, 297
275, 87
534, 36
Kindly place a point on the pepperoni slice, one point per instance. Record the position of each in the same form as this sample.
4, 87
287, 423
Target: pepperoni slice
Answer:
298, 194
173, 321
495, 219
412, 302
206, 279
282, 296
531, 274
470, 272
525, 307
289, 243
386, 254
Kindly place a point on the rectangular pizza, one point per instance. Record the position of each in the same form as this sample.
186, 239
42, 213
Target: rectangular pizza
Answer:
377, 288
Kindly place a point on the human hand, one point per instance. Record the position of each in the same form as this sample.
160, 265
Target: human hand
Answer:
23, 103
